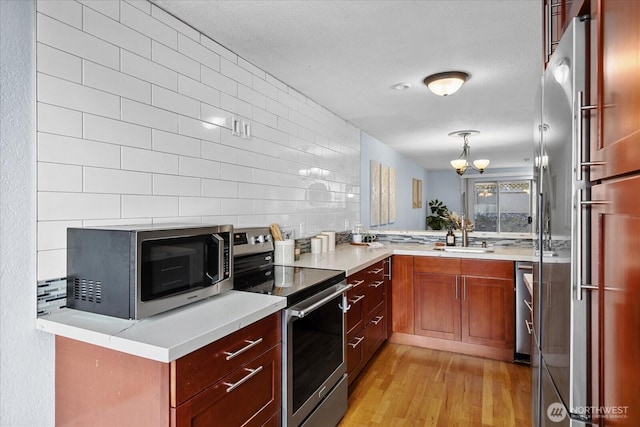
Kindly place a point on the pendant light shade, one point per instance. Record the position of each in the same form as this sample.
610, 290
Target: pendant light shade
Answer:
462, 162
444, 84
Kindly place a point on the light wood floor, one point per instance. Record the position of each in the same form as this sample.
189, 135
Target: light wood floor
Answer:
410, 386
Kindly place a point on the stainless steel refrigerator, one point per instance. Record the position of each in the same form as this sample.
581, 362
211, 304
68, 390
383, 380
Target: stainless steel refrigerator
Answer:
559, 359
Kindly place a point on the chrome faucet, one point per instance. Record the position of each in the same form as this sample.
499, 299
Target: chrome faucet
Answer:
465, 237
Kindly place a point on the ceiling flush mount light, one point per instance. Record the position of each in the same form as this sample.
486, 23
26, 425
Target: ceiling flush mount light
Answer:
462, 162
446, 83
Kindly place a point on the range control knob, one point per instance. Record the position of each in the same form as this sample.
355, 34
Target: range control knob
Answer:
260, 238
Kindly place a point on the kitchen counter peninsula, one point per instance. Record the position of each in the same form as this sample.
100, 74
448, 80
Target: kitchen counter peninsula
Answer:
168, 336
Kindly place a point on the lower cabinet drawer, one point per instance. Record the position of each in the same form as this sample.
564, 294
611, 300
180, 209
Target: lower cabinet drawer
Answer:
250, 396
374, 333
355, 354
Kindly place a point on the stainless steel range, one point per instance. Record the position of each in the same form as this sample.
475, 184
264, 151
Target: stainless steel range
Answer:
314, 374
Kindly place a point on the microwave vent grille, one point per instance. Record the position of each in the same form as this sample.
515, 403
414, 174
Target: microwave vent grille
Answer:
87, 290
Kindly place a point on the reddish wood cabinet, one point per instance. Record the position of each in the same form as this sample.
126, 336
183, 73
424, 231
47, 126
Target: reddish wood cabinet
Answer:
460, 305
233, 381
366, 320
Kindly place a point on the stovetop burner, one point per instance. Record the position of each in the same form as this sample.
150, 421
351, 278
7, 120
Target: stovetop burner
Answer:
254, 270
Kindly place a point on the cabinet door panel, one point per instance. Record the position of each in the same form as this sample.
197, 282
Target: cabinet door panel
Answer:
374, 333
355, 314
618, 144
355, 354
488, 311
252, 402
437, 305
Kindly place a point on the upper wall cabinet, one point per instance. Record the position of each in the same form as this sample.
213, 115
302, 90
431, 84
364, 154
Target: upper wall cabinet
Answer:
556, 17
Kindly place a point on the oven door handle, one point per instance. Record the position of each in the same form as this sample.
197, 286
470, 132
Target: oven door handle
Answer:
301, 312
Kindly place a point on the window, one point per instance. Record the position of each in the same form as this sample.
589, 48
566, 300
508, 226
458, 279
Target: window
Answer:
500, 206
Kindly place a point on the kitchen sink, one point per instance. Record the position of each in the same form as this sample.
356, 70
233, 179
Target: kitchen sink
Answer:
467, 250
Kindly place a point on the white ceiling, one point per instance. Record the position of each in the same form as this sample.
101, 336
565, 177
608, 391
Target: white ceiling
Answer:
346, 55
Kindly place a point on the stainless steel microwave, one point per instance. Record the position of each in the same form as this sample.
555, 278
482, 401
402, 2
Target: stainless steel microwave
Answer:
136, 272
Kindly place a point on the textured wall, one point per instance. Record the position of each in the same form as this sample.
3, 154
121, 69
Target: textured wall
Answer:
134, 126
26, 356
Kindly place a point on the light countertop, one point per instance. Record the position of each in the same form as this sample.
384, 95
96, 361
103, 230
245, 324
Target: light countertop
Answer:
168, 336
352, 258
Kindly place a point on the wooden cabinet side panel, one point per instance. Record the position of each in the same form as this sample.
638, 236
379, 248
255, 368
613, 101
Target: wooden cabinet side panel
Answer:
488, 311
402, 294
101, 387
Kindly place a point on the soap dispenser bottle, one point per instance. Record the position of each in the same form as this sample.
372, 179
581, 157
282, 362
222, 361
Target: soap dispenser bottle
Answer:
451, 238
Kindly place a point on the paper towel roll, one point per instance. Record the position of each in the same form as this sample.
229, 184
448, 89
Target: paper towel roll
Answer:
316, 245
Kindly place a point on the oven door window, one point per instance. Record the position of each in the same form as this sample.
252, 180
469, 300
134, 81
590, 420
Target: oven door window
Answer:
317, 349
172, 266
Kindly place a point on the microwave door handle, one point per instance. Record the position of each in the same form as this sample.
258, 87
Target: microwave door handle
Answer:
220, 245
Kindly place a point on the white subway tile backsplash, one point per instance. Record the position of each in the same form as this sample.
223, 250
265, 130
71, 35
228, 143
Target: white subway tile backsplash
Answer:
198, 52
198, 206
52, 90
219, 188
52, 264
235, 72
134, 18
116, 132
149, 161
58, 177
53, 234
220, 152
170, 185
235, 105
257, 72
114, 32
74, 41
149, 71
148, 206
116, 181
172, 101
112, 81
198, 129
58, 120
109, 8
76, 151
176, 144
174, 23
132, 140
65, 11
251, 96
218, 48
218, 81
175, 61
68, 206
146, 115
58, 63
200, 168
197, 90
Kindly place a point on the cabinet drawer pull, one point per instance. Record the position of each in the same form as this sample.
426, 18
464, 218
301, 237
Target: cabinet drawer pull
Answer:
529, 325
356, 299
376, 284
356, 342
251, 344
357, 283
528, 304
252, 372
376, 271
377, 320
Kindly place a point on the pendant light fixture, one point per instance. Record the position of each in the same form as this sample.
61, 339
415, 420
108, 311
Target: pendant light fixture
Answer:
446, 83
462, 162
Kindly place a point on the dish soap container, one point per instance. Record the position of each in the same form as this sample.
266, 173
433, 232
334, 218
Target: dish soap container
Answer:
451, 238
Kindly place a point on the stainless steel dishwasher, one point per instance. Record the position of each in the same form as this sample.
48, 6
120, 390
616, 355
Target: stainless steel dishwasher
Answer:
523, 314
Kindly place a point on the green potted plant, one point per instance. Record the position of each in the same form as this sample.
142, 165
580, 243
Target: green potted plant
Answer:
439, 217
